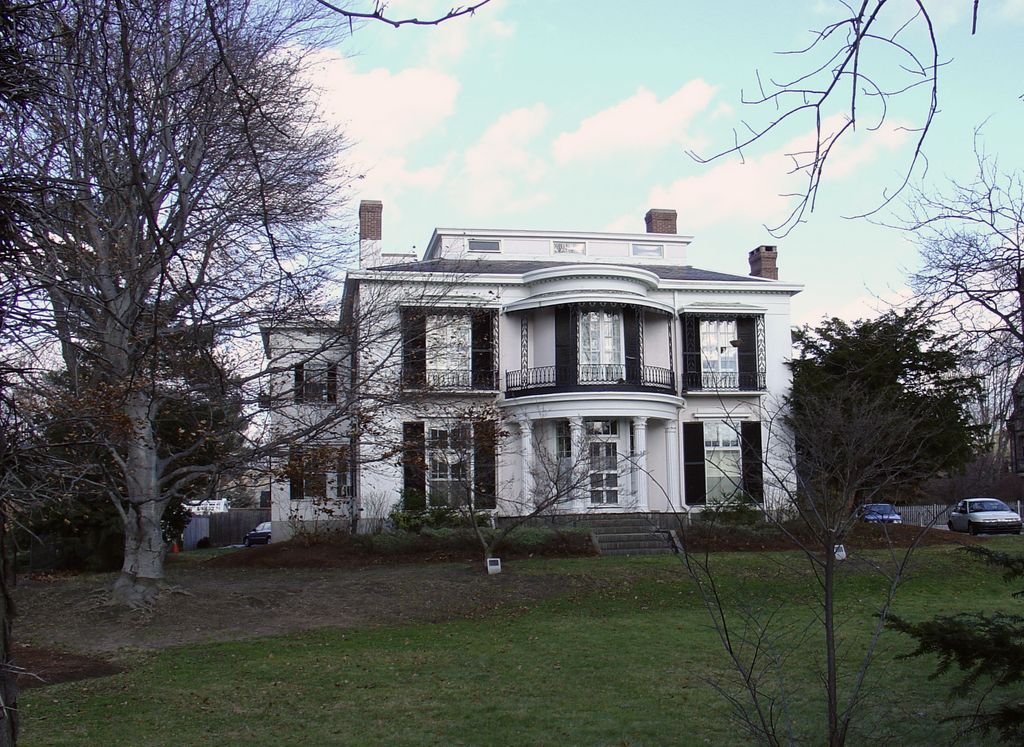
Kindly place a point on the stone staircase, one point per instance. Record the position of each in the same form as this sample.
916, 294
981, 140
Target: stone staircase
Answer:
628, 534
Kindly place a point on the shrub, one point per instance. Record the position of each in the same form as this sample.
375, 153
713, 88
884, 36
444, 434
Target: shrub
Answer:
203, 543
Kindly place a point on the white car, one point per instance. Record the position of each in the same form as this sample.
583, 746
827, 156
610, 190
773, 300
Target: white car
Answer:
976, 515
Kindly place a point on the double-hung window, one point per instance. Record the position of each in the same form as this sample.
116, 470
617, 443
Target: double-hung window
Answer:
307, 477
602, 357
449, 460
316, 382
603, 450
724, 473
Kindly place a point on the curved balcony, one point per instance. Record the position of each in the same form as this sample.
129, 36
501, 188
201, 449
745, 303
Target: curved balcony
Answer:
607, 377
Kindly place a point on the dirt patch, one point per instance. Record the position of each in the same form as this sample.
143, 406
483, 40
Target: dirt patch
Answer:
38, 667
205, 603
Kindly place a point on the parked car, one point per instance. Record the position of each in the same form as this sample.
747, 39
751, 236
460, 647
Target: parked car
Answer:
880, 513
983, 514
258, 536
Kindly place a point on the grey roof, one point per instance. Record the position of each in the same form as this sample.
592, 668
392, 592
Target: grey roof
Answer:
518, 267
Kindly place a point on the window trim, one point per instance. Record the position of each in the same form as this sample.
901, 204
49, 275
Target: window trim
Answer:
495, 250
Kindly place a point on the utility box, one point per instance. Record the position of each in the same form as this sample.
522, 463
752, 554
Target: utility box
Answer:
493, 565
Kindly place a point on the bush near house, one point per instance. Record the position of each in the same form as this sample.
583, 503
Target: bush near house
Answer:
428, 544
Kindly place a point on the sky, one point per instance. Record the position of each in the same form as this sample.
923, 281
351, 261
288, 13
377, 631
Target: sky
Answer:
582, 114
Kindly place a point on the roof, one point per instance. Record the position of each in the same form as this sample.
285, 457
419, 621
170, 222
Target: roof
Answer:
518, 267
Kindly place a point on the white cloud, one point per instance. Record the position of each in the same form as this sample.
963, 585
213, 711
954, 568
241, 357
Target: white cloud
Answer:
753, 190
382, 111
867, 306
501, 166
640, 122
1011, 10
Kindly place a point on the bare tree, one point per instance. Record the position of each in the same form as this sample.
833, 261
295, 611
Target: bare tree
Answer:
838, 452
379, 12
853, 72
187, 179
971, 240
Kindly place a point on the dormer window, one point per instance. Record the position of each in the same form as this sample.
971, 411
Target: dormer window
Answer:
484, 245
569, 247
648, 250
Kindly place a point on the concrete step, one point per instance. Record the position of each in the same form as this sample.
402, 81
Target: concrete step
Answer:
623, 528
630, 537
641, 551
646, 545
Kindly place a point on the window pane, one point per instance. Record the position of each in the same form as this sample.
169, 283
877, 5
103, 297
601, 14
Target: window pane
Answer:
723, 471
484, 245
569, 247
648, 250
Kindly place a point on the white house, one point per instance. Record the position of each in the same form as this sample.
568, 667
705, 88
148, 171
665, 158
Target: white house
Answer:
468, 374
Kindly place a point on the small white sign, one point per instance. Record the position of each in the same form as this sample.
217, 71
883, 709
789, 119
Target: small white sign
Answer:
840, 552
493, 565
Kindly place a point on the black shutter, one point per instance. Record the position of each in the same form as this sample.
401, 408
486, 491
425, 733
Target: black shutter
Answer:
296, 473
484, 483
483, 350
694, 483
299, 383
414, 348
752, 458
565, 346
692, 379
332, 382
414, 467
342, 475
631, 343
747, 353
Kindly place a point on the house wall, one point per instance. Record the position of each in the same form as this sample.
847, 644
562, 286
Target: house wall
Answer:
380, 477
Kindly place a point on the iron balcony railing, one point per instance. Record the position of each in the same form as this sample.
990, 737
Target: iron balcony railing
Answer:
696, 380
448, 380
589, 374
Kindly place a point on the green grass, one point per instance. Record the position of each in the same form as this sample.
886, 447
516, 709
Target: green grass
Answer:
626, 663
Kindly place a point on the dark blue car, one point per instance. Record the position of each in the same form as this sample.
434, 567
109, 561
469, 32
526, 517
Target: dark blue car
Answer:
880, 513
258, 536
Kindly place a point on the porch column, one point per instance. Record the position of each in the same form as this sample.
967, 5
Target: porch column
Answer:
578, 462
526, 449
675, 502
640, 462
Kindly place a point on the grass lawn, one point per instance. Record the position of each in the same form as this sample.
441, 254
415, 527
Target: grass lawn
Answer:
628, 662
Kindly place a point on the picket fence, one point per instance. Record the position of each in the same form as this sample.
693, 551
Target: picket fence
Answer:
936, 515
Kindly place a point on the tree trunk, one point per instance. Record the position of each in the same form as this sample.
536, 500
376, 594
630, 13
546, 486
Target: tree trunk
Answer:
8, 685
144, 549
835, 735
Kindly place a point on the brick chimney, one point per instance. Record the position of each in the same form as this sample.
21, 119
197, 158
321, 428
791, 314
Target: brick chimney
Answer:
763, 262
660, 221
370, 230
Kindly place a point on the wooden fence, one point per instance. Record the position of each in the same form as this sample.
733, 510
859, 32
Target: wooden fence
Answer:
224, 528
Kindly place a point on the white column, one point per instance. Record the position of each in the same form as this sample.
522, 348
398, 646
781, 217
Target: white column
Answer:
578, 461
675, 501
526, 457
640, 462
